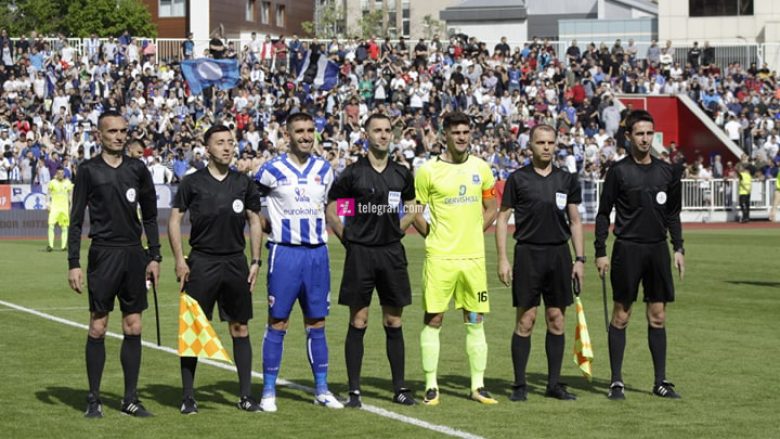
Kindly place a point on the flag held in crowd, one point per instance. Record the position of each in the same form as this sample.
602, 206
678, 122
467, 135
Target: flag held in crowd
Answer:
320, 71
196, 335
583, 350
205, 72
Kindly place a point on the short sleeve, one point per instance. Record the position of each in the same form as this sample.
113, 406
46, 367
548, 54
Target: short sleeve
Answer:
183, 196
422, 184
488, 181
252, 197
342, 187
575, 189
509, 198
408, 191
265, 179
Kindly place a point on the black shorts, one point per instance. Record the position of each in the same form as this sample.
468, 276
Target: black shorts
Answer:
650, 263
220, 279
542, 271
117, 271
383, 268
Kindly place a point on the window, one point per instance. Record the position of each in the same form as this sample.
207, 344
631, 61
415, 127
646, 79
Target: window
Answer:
171, 8
406, 14
265, 12
250, 10
719, 8
280, 15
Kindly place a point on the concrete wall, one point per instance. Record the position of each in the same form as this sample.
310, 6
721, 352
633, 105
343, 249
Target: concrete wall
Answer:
675, 24
491, 33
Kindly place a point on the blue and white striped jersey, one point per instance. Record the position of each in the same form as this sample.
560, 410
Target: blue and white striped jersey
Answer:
296, 199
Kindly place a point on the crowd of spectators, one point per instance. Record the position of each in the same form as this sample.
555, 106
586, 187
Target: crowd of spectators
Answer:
52, 94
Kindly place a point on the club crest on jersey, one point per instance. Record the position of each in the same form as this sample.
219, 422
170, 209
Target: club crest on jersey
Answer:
238, 206
660, 198
318, 179
130, 195
300, 195
475, 179
560, 200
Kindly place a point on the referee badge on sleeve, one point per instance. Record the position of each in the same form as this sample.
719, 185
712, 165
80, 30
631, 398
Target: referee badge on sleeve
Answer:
560, 200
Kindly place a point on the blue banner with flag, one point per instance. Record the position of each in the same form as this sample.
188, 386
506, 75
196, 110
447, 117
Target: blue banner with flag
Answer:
205, 72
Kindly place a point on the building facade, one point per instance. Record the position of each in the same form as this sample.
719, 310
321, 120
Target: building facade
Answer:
745, 21
238, 18
405, 18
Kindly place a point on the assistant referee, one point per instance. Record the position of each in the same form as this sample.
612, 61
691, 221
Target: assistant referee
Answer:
113, 186
544, 200
220, 202
646, 195
375, 188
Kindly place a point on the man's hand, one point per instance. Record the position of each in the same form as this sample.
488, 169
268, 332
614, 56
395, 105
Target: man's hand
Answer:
182, 273
505, 272
153, 272
578, 272
254, 270
679, 262
602, 265
75, 279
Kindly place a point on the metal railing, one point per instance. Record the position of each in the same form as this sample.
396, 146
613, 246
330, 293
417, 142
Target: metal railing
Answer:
714, 195
168, 49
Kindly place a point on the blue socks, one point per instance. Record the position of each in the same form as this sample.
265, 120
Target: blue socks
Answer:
273, 345
317, 349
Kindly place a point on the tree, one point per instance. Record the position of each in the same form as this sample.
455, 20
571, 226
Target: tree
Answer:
331, 20
109, 17
76, 18
309, 28
370, 23
432, 26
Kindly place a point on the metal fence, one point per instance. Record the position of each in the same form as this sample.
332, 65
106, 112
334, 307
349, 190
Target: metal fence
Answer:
168, 49
715, 195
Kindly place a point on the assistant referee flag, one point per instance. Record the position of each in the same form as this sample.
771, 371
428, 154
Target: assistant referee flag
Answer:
205, 72
196, 336
583, 350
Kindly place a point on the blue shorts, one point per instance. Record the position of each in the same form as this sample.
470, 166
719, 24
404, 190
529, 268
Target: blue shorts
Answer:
297, 272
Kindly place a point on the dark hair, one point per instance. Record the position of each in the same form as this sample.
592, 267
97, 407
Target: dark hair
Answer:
541, 127
108, 113
376, 116
295, 117
214, 130
455, 118
638, 116
134, 142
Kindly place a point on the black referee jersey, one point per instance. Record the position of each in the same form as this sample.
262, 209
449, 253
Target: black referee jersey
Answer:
647, 201
378, 197
113, 196
217, 210
540, 204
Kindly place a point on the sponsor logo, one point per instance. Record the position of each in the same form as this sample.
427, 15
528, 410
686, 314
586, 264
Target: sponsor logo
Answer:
345, 206
300, 195
560, 200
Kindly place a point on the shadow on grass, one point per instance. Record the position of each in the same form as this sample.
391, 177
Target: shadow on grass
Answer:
755, 283
219, 393
75, 398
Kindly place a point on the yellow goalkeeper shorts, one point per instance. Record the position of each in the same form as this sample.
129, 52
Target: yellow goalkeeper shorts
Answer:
466, 279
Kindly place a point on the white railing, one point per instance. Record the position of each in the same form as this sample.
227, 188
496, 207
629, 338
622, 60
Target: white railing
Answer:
725, 52
715, 195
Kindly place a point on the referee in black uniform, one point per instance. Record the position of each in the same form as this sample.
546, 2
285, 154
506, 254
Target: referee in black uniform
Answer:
377, 187
113, 186
646, 195
545, 201
220, 201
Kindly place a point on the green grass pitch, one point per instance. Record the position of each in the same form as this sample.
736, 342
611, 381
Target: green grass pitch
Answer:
724, 356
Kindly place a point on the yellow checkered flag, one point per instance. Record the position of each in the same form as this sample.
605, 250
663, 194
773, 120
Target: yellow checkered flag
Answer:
583, 350
196, 336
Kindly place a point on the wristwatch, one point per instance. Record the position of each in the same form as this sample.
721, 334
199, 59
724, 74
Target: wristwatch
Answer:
156, 258
257, 262
580, 259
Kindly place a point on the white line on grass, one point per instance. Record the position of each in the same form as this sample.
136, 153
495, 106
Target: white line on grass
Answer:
443, 429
